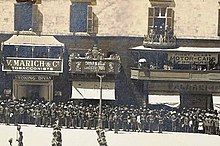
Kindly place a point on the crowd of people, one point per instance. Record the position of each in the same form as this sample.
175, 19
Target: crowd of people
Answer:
117, 118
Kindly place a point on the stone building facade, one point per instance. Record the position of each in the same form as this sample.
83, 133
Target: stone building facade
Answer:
113, 25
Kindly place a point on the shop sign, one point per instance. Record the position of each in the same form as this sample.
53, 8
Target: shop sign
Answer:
192, 58
91, 66
184, 87
32, 77
194, 87
33, 65
94, 66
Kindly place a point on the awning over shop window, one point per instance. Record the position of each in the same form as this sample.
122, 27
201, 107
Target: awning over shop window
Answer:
90, 90
216, 103
169, 100
33, 40
82, 93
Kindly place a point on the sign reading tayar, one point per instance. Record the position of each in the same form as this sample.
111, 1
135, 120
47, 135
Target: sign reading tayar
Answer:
33, 65
192, 58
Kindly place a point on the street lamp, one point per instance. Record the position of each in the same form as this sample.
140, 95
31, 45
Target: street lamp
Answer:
100, 100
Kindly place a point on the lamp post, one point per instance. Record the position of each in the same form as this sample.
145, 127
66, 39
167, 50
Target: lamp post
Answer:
100, 100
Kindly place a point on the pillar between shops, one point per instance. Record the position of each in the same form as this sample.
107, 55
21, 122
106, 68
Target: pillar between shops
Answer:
145, 94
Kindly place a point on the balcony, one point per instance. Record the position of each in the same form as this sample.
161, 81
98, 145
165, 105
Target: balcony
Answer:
94, 61
175, 75
160, 42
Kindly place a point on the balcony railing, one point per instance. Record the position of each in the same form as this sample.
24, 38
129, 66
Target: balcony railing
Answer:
175, 75
159, 41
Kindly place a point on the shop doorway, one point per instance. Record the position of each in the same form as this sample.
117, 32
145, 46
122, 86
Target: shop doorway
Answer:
33, 90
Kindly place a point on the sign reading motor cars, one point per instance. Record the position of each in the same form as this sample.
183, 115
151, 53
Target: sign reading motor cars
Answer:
33, 65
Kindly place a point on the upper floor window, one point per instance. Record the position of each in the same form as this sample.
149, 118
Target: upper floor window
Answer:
78, 17
160, 21
82, 18
26, 15
23, 16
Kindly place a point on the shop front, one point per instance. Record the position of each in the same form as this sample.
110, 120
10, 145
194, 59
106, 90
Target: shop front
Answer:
33, 67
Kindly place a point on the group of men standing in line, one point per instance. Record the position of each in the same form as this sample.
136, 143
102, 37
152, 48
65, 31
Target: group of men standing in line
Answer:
126, 118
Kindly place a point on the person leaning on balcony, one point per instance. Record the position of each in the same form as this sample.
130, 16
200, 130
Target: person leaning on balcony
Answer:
151, 34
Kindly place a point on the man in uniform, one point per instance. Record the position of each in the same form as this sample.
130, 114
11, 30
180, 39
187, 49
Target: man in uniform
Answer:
116, 122
7, 113
38, 116
101, 137
74, 117
89, 119
52, 114
151, 121
57, 137
67, 116
45, 116
124, 117
2, 112
160, 123
16, 114
110, 121
174, 122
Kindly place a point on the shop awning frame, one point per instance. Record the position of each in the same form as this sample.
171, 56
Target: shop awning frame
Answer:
31, 40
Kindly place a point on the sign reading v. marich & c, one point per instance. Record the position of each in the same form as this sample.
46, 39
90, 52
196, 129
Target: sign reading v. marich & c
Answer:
32, 65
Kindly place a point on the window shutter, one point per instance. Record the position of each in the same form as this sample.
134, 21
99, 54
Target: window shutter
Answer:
151, 13
90, 20
35, 22
170, 18
95, 24
219, 22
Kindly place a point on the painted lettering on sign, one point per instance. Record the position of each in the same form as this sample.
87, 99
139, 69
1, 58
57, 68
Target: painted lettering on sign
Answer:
94, 66
192, 58
194, 87
32, 77
33, 65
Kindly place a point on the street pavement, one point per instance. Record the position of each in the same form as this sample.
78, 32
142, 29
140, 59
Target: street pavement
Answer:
39, 136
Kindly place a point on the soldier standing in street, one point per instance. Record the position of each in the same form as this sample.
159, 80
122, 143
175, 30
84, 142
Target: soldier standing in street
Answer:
81, 118
16, 114
38, 116
2, 112
52, 115
101, 137
7, 113
160, 123
67, 117
74, 118
89, 119
57, 137
151, 121
45, 116
110, 121
116, 122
